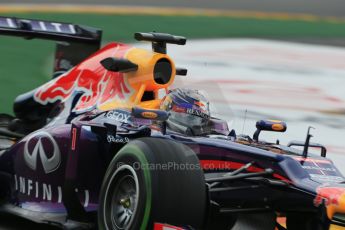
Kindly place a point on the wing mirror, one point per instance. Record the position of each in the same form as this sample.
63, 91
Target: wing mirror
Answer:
311, 145
307, 144
158, 115
152, 114
269, 125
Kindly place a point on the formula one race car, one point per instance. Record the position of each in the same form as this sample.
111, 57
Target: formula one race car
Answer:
105, 144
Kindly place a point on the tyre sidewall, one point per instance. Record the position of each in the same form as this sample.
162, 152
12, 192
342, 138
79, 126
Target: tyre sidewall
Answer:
142, 214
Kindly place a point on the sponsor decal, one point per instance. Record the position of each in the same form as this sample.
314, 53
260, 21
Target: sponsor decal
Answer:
74, 139
41, 146
44, 191
197, 112
142, 121
118, 116
158, 226
327, 178
149, 115
199, 105
97, 85
311, 167
331, 195
37, 25
309, 159
112, 139
278, 127
333, 198
178, 109
321, 170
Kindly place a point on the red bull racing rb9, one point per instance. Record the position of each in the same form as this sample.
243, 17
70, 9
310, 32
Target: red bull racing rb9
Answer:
107, 144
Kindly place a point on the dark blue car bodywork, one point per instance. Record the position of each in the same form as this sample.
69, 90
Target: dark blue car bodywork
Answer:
54, 173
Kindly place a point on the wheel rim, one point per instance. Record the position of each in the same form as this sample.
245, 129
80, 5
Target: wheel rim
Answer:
122, 197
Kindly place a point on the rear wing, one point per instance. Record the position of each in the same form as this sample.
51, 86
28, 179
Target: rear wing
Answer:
75, 42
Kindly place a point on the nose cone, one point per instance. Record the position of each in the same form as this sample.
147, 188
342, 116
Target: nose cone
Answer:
333, 198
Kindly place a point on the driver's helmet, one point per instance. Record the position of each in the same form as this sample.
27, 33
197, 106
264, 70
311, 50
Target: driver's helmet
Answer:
189, 111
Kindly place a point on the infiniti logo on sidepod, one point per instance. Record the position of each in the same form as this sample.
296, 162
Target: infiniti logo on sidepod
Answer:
50, 155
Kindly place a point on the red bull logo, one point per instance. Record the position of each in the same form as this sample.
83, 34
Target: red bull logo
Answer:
200, 104
97, 85
333, 198
331, 195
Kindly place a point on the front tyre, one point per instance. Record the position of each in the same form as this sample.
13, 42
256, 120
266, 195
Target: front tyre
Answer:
152, 180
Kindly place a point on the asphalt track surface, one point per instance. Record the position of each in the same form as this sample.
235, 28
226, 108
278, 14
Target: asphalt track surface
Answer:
325, 8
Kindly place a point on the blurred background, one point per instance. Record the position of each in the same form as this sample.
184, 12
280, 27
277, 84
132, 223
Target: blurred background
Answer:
267, 59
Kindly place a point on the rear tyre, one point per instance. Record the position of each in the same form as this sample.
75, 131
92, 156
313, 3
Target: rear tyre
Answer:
152, 180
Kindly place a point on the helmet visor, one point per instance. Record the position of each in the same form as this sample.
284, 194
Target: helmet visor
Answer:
189, 117
187, 120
